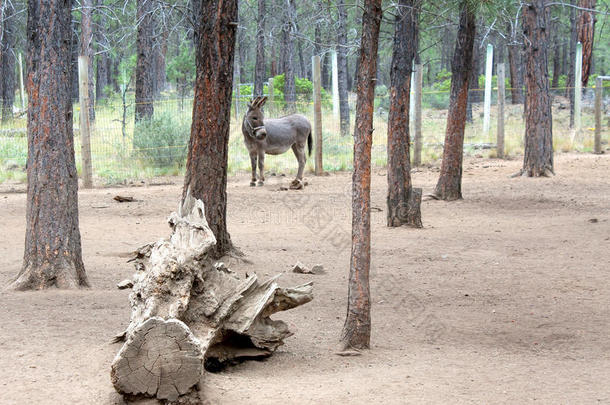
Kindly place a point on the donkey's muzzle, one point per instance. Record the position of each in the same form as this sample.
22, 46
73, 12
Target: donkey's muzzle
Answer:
260, 134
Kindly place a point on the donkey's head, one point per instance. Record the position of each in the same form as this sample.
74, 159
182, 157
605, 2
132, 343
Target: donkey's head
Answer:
253, 120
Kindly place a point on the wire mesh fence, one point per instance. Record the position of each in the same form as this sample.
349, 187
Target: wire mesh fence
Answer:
123, 151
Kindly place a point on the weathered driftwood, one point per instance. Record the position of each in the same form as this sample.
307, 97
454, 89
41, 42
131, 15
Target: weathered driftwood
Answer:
188, 311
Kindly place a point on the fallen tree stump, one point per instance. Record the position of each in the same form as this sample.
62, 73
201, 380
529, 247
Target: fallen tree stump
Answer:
188, 311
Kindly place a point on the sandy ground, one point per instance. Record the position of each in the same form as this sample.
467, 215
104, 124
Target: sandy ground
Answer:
502, 297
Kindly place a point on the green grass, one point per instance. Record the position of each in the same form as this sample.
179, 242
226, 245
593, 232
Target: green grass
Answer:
116, 160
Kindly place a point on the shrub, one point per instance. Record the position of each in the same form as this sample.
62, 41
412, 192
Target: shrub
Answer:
161, 141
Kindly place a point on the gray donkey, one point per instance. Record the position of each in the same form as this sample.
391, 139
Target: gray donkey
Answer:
275, 136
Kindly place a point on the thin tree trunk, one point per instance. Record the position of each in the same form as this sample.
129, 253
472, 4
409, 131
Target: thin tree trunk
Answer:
556, 54
289, 31
538, 159
52, 256
145, 63
586, 31
7, 63
74, 66
259, 68
357, 328
103, 61
403, 201
342, 67
326, 71
570, 81
449, 186
160, 52
86, 49
516, 76
206, 167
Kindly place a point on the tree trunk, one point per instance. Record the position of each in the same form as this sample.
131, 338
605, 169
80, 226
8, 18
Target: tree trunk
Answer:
160, 52
302, 67
570, 81
145, 63
474, 93
403, 200
586, 31
195, 8
357, 328
52, 255
538, 159
187, 312
449, 186
289, 31
7, 62
326, 71
259, 68
86, 49
342, 67
514, 62
103, 61
74, 65
556, 53
206, 167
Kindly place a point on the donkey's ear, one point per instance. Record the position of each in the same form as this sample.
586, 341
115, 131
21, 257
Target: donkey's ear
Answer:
256, 101
262, 102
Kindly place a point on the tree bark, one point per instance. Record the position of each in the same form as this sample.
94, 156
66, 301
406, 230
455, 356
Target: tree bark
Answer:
206, 167
586, 31
289, 30
342, 67
74, 65
7, 62
357, 328
449, 186
514, 64
556, 54
570, 80
259, 68
145, 63
86, 49
52, 255
102, 72
403, 200
160, 51
538, 159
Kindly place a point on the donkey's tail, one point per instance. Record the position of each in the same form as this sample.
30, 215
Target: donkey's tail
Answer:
309, 143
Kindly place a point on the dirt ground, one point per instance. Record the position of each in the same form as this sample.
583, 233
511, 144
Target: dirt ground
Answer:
502, 297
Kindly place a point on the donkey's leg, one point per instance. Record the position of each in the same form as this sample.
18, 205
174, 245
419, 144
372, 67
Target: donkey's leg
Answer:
253, 162
261, 168
299, 152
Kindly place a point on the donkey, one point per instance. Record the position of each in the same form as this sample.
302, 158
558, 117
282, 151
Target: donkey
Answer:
275, 136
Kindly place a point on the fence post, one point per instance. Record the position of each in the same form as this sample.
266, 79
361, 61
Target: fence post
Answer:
419, 76
317, 114
335, 84
599, 92
85, 142
500, 134
21, 83
577, 87
488, 79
